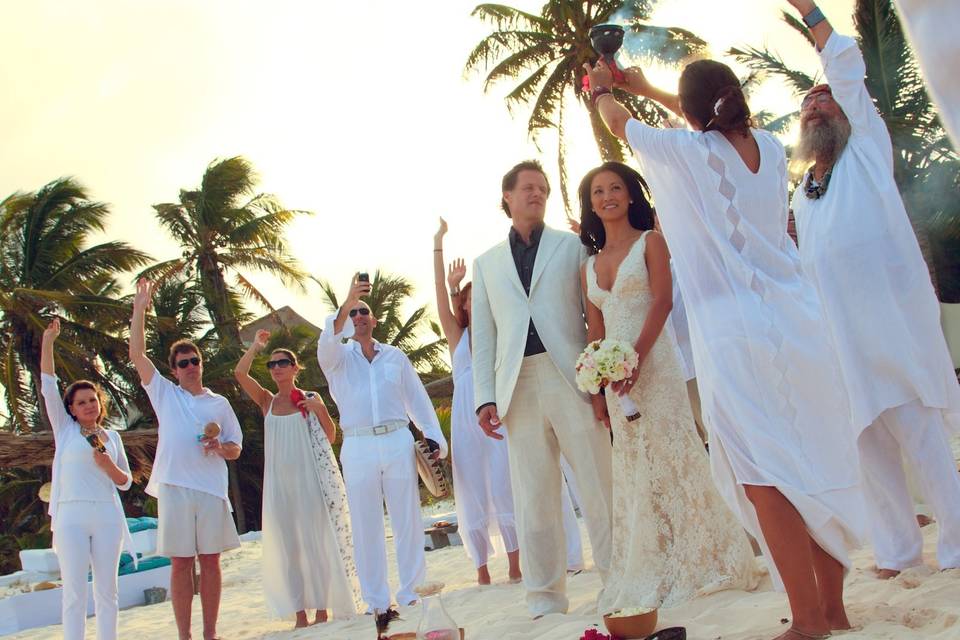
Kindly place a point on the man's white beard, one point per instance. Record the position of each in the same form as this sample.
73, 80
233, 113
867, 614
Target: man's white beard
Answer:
823, 141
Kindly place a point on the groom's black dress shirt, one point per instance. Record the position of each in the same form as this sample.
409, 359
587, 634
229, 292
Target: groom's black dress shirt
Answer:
524, 256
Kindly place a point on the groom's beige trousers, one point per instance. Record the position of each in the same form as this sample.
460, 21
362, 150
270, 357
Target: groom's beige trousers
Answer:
546, 418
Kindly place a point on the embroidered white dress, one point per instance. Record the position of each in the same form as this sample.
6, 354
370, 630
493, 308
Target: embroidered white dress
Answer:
307, 548
481, 470
770, 388
674, 538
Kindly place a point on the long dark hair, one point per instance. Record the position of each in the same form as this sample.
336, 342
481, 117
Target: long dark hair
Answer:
640, 212
710, 92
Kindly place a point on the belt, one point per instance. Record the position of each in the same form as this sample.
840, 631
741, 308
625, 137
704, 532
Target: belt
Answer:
376, 430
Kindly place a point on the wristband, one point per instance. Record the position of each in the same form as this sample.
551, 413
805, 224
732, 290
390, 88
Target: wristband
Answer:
814, 18
596, 92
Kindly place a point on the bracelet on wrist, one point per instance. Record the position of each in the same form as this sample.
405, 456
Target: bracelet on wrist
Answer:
454, 292
596, 92
814, 18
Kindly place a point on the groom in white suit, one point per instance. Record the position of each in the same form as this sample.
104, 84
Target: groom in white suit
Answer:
528, 329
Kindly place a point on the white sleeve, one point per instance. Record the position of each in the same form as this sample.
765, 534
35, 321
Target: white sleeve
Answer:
938, 51
419, 407
653, 144
52, 400
230, 426
845, 70
122, 463
484, 345
330, 347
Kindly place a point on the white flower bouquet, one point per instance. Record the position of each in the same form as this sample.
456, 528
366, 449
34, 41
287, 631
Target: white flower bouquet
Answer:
604, 362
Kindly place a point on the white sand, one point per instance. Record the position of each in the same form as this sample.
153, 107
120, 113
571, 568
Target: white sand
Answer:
921, 603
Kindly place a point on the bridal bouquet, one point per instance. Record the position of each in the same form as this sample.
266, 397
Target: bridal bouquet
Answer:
604, 362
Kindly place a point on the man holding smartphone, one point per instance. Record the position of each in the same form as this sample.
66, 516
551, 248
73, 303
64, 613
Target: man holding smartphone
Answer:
378, 392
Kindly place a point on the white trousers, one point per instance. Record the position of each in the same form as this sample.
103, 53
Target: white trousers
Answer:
914, 433
547, 418
89, 533
377, 469
571, 528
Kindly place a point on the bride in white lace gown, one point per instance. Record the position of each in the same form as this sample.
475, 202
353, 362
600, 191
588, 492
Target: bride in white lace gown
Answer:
673, 536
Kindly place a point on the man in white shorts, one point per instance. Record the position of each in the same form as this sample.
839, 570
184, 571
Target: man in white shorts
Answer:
189, 477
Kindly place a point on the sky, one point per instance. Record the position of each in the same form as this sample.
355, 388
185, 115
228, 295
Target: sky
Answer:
357, 111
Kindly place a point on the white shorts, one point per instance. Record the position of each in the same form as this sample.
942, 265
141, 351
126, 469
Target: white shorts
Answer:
193, 523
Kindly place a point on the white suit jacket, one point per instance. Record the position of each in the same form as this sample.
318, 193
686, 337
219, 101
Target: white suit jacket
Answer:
502, 312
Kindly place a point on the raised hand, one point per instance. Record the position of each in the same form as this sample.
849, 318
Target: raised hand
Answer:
456, 272
52, 332
635, 82
260, 340
600, 74
144, 295
574, 225
358, 289
441, 231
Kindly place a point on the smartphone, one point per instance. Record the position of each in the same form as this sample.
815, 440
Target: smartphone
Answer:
363, 277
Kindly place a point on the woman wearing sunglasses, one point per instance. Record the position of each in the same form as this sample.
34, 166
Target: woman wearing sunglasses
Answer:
87, 519
307, 548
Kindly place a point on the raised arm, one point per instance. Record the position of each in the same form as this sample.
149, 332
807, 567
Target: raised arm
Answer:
138, 342
242, 373
56, 412
330, 347
448, 320
614, 114
357, 290
50, 335
821, 30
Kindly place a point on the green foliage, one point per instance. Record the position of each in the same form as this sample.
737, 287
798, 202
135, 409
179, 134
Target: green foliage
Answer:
546, 53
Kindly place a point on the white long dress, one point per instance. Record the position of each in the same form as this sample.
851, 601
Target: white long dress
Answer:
307, 548
770, 388
674, 538
481, 470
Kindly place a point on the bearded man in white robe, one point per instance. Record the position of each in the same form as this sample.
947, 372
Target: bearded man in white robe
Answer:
857, 246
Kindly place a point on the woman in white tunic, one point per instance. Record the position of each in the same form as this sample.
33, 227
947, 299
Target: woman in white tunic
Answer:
674, 538
87, 518
481, 472
770, 389
307, 548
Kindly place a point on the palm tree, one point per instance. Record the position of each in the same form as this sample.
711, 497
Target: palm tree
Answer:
47, 269
389, 294
549, 50
926, 168
225, 226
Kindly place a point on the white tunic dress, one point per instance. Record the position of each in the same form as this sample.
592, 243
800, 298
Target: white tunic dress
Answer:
769, 384
307, 553
481, 470
859, 249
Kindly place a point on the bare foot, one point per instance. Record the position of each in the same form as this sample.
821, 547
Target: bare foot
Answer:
320, 617
516, 578
923, 520
887, 574
483, 575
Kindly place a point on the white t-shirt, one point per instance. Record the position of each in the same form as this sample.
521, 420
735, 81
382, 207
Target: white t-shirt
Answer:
181, 416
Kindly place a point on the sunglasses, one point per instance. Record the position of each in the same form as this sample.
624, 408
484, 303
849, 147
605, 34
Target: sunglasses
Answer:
283, 363
182, 364
362, 311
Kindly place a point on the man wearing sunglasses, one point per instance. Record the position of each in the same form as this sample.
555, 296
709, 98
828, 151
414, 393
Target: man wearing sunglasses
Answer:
189, 477
378, 392
860, 251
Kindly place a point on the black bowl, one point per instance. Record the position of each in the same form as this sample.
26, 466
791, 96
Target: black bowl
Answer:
606, 38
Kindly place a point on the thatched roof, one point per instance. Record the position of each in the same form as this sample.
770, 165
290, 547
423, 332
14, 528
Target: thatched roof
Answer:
282, 317
36, 450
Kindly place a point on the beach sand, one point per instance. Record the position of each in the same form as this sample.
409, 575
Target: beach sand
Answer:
920, 603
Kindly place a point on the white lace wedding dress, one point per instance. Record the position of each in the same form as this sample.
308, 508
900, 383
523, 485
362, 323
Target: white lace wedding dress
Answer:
673, 536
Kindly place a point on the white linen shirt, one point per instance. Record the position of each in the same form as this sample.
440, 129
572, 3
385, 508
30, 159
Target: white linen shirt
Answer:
76, 477
368, 394
181, 416
858, 248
